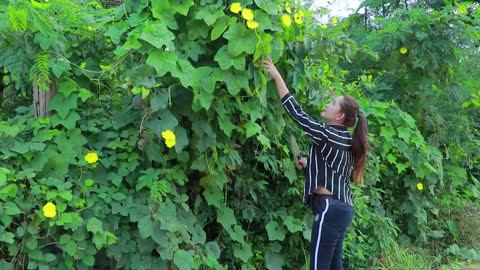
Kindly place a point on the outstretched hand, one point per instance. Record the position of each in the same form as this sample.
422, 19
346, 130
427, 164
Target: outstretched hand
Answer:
300, 163
270, 67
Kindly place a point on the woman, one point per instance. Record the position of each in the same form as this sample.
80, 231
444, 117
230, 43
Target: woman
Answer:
334, 158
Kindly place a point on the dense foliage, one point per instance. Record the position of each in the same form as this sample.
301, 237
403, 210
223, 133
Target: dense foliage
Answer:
169, 149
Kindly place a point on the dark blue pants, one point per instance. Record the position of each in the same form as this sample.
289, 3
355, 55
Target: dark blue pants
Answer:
331, 220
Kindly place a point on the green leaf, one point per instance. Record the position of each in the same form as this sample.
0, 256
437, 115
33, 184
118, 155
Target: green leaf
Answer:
116, 30
452, 227
225, 61
273, 261
165, 12
236, 81
71, 248
69, 122
220, 26
59, 66
145, 227
66, 195
163, 62
63, 105
159, 100
213, 249
226, 217
275, 232
94, 225
11, 209
88, 260
240, 39
243, 252
209, 14
268, 6
167, 121
7, 237
184, 259
181, 138
293, 224
158, 35
99, 240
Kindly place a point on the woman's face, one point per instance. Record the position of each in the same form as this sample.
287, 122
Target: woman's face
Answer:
333, 113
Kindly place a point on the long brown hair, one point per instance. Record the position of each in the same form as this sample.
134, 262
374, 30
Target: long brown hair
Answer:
360, 146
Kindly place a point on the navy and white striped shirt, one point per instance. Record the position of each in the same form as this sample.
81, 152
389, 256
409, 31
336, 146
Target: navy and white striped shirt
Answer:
330, 160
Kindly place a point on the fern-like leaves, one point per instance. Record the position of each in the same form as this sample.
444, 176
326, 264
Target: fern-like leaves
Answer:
18, 18
39, 73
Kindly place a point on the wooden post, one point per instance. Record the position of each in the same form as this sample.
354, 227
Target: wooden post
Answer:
42, 97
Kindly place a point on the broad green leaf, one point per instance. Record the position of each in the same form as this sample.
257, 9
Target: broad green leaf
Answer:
159, 100
63, 105
116, 30
11, 209
243, 252
213, 249
71, 248
184, 259
7, 237
158, 35
181, 138
226, 217
21, 147
268, 6
145, 227
275, 231
293, 224
67, 87
167, 121
94, 225
273, 261
240, 39
224, 60
165, 12
220, 26
237, 234
236, 81
209, 14
163, 62
88, 260
69, 122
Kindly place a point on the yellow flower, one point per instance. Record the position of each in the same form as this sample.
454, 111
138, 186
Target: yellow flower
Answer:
91, 157
247, 14
403, 50
298, 19
287, 21
252, 24
462, 10
288, 8
300, 12
420, 186
49, 210
235, 7
334, 20
170, 138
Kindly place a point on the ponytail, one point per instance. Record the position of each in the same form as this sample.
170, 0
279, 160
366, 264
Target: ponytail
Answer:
360, 146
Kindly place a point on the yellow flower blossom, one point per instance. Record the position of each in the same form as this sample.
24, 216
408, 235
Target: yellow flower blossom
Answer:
334, 20
170, 138
298, 19
420, 186
287, 21
247, 14
235, 7
252, 24
462, 10
91, 157
49, 210
403, 50
288, 8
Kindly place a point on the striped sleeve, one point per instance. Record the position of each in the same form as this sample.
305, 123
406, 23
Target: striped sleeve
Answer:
317, 130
